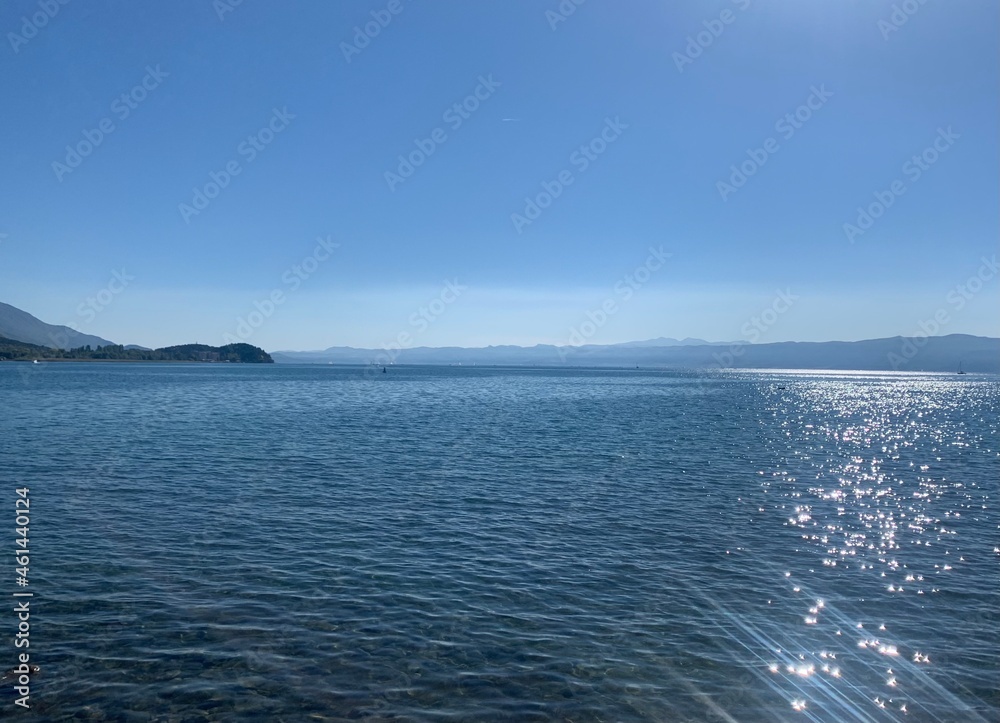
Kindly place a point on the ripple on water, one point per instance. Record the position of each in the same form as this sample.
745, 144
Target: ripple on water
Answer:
467, 544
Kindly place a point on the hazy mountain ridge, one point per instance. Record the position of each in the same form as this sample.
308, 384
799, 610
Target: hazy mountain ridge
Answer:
21, 326
667, 341
25, 337
943, 354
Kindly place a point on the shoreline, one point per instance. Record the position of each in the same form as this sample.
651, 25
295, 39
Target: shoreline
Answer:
121, 361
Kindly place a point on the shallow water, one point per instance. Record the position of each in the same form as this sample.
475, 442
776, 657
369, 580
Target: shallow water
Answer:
223, 542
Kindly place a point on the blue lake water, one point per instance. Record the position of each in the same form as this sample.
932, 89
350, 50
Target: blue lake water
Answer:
285, 543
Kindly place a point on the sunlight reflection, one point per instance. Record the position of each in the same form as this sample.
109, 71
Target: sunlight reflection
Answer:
873, 513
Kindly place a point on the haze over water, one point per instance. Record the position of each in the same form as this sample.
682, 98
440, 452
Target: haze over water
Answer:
214, 542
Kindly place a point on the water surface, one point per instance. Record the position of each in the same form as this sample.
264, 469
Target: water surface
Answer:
230, 542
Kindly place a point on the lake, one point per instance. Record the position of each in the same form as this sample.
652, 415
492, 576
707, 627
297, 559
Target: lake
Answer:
285, 542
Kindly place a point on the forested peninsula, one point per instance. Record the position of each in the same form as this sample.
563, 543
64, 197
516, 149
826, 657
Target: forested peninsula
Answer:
11, 350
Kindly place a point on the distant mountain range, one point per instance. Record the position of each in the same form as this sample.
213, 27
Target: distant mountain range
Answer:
24, 337
666, 341
509, 354
22, 326
939, 353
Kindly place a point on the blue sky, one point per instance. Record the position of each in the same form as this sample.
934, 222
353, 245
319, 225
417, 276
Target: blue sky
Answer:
674, 124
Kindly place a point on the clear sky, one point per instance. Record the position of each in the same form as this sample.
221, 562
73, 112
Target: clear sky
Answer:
118, 115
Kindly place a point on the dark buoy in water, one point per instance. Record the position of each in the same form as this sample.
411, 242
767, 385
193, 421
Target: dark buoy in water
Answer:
384, 371
15, 673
